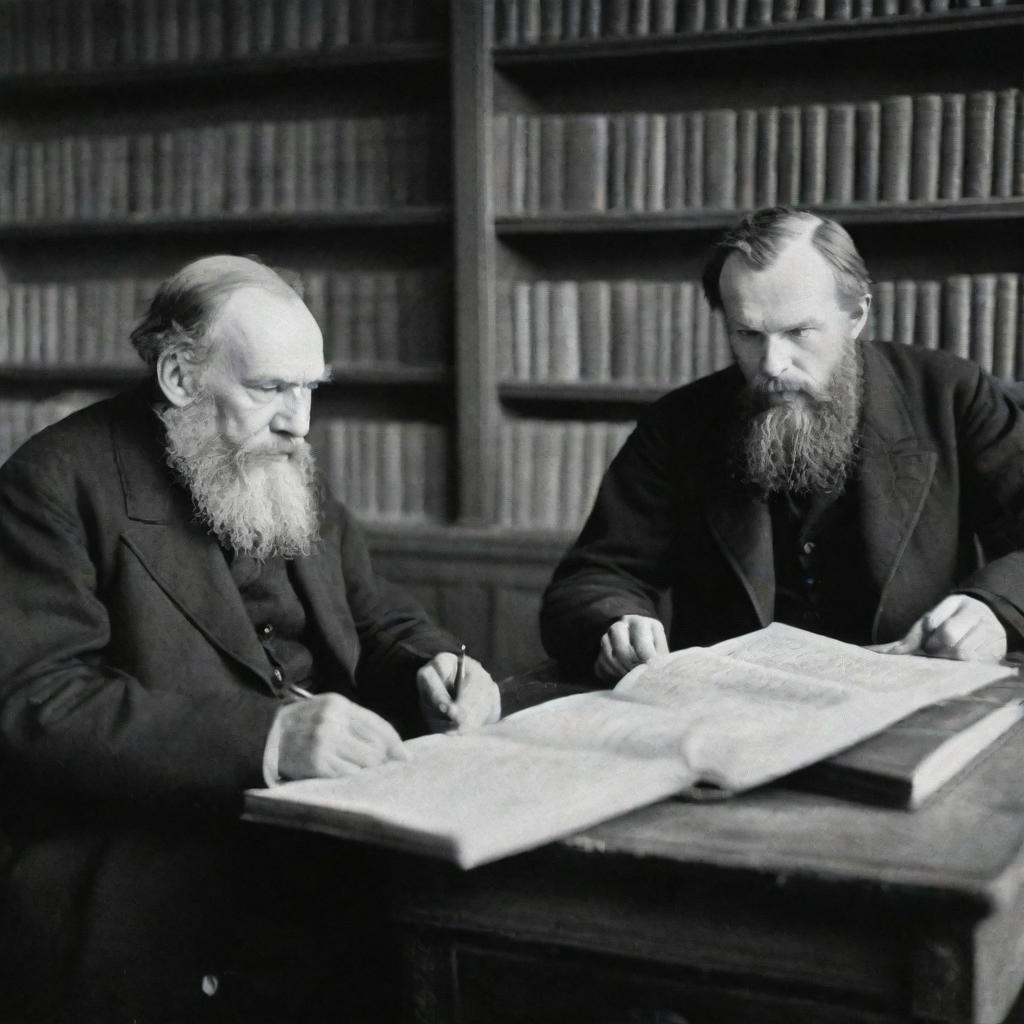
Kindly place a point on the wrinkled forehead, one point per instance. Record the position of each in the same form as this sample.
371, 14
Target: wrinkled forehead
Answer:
262, 333
798, 283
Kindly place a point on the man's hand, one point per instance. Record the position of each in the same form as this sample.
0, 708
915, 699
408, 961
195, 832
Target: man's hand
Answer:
477, 702
960, 627
631, 641
329, 735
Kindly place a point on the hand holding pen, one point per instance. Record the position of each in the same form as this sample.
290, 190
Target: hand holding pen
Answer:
456, 692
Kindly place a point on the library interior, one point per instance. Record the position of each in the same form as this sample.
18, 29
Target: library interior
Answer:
498, 213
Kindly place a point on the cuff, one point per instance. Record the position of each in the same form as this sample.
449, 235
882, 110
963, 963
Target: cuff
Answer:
271, 775
1006, 613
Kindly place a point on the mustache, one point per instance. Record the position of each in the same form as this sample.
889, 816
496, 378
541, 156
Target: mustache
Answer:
762, 386
283, 446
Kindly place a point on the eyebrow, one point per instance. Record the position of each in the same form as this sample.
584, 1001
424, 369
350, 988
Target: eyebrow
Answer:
322, 378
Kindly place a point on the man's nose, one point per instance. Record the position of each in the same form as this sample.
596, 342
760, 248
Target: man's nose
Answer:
774, 356
292, 417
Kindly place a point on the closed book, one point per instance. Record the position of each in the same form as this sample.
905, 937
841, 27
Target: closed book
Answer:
956, 315
840, 154
746, 159
1018, 147
625, 297
647, 329
540, 334
414, 471
574, 505
767, 156
868, 120
665, 329
926, 151
684, 297
522, 330
618, 162
983, 319
389, 471
657, 145
586, 149
572, 23
813, 153
675, 162
908, 762
1003, 143
552, 164
979, 137
547, 494
790, 154
595, 311
928, 326
663, 16
701, 348
1007, 317
951, 174
897, 134
694, 176
564, 331
720, 159
636, 163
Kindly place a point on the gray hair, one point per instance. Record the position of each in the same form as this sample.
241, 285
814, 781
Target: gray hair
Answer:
187, 303
762, 235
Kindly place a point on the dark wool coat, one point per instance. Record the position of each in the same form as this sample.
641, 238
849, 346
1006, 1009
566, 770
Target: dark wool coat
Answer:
135, 698
941, 472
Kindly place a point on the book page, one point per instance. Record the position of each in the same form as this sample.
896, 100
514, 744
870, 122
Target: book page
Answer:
471, 797
793, 650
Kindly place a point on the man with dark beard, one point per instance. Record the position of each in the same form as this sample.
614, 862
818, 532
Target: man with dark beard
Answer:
867, 491
184, 618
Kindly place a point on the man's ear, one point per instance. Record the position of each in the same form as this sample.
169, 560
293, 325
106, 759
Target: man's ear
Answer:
177, 377
860, 318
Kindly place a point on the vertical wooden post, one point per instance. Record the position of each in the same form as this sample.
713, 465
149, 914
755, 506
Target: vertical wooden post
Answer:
476, 423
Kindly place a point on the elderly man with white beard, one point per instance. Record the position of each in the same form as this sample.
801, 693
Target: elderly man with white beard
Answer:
867, 491
186, 615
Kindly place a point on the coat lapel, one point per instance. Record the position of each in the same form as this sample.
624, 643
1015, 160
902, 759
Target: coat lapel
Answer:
895, 479
320, 581
741, 525
183, 559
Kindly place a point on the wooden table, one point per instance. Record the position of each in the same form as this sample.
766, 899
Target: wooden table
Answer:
776, 907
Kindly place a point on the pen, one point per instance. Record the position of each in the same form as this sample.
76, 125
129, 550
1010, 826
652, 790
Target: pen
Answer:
460, 672
298, 692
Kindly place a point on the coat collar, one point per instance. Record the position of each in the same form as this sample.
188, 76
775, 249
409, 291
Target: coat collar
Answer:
896, 469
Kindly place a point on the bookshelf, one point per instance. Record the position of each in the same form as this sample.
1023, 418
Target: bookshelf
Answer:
498, 210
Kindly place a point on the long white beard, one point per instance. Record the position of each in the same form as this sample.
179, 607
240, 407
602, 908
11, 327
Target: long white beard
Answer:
254, 505
807, 447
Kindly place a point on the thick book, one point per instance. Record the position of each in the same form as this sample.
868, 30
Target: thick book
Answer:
721, 719
909, 762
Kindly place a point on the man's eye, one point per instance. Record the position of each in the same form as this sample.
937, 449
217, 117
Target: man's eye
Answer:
800, 332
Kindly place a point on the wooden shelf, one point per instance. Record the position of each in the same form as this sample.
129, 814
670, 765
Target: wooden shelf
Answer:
800, 33
411, 217
616, 222
388, 375
584, 391
341, 374
466, 543
77, 376
374, 55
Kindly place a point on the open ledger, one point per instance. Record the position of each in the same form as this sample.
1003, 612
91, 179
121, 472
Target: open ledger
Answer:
719, 719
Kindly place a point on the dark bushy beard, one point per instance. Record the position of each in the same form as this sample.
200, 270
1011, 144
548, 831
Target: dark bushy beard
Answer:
255, 505
805, 447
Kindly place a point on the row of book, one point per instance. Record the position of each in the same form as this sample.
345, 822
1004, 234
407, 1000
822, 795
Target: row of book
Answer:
550, 471
239, 167
386, 471
52, 36
897, 149
20, 418
976, 316
526, 22
663, 333
386, 318
633, 332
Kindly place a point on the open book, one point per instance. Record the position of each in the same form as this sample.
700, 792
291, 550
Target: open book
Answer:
719, 719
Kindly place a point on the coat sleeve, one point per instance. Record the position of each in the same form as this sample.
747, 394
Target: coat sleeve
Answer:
622, 561
72, 723
991, 453
396, 637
